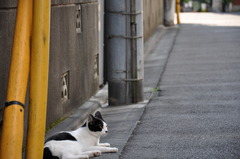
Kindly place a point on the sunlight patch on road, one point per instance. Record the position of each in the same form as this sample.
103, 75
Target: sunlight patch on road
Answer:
211, 19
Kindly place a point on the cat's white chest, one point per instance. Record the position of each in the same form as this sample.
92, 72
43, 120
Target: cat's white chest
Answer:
85, 138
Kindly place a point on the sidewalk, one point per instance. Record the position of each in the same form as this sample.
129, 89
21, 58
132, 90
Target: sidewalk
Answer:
196, 114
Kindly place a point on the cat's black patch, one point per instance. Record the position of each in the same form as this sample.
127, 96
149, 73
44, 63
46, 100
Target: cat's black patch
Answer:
98, 115
95, 124
48, 154
61, 136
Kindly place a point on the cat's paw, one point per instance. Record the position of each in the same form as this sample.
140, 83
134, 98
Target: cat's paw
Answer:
105, 144
114, 149
97, 153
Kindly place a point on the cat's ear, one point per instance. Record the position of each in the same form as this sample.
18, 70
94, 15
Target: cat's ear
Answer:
90, 118
98, 115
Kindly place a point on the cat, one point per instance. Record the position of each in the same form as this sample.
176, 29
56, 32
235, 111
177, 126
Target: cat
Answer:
81, 143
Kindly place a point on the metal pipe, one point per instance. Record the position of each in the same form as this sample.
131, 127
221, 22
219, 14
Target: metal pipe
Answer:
133, 33
124, 13
38, 79
136, 51
13, 121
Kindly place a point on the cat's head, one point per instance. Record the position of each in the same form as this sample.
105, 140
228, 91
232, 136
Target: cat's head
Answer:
96, 124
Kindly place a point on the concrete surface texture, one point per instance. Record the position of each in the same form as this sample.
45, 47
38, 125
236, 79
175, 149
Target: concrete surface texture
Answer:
196, 114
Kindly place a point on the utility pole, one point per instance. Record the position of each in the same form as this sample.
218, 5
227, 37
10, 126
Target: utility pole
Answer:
169, 12
124, 48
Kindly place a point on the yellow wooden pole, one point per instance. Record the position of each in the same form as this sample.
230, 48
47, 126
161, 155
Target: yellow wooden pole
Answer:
178, 9
38, 79
13, 121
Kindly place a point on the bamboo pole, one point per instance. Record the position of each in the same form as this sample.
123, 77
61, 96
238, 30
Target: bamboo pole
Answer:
38, 79
13, 121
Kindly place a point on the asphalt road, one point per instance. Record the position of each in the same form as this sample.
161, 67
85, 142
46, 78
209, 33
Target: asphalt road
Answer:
196, 114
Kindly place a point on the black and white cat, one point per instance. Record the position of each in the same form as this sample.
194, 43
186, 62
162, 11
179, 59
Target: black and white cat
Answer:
81, 143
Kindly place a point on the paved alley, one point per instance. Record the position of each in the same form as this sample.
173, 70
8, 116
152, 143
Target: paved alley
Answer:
196, 113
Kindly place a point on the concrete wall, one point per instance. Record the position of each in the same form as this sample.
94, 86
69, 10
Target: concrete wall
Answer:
73, 75
73, 70
152, 16
74, 56
7, 21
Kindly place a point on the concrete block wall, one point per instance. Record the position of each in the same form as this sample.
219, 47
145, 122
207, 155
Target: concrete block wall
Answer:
153, 11
74, 54
7, 22
73, 75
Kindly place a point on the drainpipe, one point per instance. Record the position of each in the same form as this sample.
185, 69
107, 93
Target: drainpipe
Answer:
38, 79
13, 121
124, 48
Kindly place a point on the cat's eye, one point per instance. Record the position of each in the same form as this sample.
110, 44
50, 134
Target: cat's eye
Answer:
101, 126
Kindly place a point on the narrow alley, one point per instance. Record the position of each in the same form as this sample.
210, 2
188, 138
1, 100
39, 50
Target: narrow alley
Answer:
197, 112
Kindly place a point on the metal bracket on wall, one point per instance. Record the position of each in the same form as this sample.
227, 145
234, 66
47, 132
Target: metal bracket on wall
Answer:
125, 37
127, 80
124, 13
